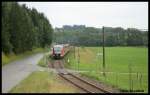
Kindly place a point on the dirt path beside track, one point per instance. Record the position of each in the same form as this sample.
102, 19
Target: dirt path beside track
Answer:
16, 71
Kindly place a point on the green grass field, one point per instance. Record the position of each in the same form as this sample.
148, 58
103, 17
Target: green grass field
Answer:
117, 62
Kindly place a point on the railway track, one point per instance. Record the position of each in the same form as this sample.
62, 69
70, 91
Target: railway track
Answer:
76, 80
82, 84
57, 64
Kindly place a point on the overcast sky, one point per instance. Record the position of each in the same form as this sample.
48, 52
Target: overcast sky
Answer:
94, 14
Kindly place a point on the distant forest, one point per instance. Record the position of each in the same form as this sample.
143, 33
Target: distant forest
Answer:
90, 36
23, 29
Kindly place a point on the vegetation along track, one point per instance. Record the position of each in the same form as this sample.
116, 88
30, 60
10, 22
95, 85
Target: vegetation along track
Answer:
76, 80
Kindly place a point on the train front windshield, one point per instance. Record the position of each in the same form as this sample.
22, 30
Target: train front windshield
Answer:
57, 49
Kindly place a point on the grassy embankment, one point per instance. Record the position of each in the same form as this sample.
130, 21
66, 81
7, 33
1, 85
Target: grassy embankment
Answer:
44, 60
42, 82
12, 57
117, 65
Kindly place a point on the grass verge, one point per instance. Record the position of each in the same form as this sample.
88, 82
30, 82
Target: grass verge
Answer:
42, 82
44, 61
12, 57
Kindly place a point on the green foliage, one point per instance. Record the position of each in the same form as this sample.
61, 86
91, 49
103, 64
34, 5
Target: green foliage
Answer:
6, 45
23, 29
90, 36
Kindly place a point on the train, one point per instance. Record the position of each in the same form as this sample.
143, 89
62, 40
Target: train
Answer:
59, 51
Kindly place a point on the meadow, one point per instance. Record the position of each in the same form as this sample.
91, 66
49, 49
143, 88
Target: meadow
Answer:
125, 67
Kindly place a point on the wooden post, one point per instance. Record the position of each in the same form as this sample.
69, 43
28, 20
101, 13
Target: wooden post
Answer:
116, 79
78, 58
74, 51
137, 79
103, 52
130, 78
141, 81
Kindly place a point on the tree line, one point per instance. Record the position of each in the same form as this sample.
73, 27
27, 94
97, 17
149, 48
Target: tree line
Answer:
90, 36
23, 29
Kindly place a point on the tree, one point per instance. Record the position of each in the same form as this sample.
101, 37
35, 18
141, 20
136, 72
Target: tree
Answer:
23, 29
6, 45
90, 36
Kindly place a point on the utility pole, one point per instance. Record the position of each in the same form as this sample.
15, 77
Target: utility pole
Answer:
130, 77
74, 51
78, 58
103, 52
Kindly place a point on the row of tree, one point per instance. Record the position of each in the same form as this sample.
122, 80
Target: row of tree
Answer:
23, 28
90, 36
